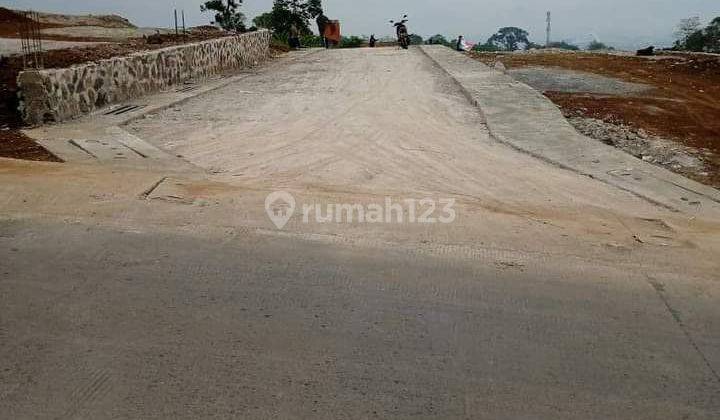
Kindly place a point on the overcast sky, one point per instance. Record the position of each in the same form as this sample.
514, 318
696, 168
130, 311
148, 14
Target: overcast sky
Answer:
614, 21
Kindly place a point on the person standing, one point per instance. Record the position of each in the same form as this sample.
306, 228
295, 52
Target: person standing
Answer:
460, 44
322, 22
294, 40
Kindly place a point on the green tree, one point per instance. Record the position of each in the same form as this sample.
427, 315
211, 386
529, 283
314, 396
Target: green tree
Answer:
437, 40
264, 21
227, 14
315, 8
510, 39
686, 29
352, 42
712, 34
288, 13
697, 41
700, 40
416, 39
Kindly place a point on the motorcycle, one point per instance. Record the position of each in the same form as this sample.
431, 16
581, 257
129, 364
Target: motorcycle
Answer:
402, 32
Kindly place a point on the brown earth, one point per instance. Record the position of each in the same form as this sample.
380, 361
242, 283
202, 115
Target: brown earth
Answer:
684, 106
11, 20
16, 145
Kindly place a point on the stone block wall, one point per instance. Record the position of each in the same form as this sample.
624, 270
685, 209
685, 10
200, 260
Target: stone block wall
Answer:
55, 95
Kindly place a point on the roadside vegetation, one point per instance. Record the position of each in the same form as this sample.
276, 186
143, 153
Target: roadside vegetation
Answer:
691, 36
289, 15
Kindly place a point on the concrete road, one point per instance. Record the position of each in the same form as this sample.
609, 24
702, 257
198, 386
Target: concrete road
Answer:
130, 292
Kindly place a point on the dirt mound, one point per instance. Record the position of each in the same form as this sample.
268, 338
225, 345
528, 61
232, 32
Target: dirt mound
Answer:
11, 17
205, 28
15, 145
104, 21
10, 21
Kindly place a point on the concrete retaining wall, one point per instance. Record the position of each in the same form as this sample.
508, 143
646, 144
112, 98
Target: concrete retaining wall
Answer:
55, 95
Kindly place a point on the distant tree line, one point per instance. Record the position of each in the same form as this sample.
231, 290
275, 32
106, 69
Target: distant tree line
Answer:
513, 39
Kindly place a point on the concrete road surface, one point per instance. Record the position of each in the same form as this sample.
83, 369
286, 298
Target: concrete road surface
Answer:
147, 291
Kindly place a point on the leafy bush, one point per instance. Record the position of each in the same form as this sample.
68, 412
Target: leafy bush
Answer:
484, 47
280, 40
311, 41
306, 41
416, 39
264, 21
352, 42
438, 40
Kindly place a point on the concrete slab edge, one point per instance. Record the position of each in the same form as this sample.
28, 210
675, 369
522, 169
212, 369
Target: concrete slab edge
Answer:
46, 135
676, 180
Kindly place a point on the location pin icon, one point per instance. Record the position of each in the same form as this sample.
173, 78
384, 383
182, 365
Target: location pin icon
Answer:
280, 207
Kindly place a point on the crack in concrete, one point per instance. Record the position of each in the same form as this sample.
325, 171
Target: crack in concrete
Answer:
146, 194
659, 288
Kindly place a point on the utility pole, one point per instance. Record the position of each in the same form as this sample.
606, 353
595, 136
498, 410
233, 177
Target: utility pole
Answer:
549, 29
183, 23
176, 26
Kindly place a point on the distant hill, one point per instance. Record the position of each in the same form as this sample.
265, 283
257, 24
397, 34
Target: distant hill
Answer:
104, 21
61, 20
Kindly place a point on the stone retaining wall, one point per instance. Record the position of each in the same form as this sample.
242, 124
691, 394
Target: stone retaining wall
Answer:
55, 95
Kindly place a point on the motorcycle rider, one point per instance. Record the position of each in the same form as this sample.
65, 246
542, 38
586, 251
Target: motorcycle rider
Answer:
402, 32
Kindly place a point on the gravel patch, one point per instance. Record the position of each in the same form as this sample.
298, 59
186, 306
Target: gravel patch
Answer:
645, 146
547, 79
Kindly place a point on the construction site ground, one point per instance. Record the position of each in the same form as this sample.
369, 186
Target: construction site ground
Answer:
675, 115
68, 40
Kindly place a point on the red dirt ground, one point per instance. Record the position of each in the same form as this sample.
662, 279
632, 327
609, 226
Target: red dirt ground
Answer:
684, 106
16, 145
